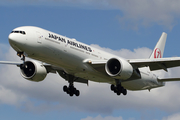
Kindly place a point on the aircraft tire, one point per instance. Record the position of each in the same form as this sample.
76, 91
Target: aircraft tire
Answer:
115, 90
71, 93
77, 93
118, 93
124, 92
65, 88
112, 87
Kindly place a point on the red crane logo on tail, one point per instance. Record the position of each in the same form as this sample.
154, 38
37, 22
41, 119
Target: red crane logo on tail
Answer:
157, 53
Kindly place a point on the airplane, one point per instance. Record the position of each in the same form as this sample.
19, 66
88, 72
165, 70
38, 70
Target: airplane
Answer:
78, 62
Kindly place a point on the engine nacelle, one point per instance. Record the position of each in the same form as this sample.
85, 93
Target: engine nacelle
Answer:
119, 68
33, 71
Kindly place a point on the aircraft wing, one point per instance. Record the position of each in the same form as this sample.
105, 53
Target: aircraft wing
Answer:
168, 79
49, 67
11, 63
156, 64
98, 65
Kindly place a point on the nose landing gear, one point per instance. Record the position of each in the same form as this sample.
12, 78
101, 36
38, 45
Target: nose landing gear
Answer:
21, 55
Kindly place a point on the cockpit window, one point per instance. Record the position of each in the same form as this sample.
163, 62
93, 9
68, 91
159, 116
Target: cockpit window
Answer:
22, 32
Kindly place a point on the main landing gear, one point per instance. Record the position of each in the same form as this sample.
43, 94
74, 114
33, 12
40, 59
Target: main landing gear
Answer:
71, 90
118, 89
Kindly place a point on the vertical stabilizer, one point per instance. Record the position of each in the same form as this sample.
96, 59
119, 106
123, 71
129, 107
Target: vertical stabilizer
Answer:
159, 48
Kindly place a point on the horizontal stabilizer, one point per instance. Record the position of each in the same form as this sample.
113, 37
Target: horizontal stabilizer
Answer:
168, 79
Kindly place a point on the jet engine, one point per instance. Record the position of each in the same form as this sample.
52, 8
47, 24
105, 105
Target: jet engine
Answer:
33, 71
119, 68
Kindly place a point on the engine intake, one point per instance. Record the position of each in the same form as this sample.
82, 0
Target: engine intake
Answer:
119, 68
33, 71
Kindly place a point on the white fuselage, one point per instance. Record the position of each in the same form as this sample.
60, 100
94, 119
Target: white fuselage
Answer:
70, 55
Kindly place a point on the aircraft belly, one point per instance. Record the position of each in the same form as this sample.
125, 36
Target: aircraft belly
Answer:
148, 81
95, 77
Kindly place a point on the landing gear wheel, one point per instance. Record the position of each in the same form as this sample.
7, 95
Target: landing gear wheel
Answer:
71, 94
71, 90
118, 93
65, 88
112, 87
115, 90
118, 89
74, 90
124, 92
77, 93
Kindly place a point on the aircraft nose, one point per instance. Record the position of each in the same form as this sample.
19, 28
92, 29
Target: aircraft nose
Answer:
13, 40
17, 40
16, 37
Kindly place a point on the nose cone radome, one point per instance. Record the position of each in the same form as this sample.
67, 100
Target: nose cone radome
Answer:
16, 41
12, 38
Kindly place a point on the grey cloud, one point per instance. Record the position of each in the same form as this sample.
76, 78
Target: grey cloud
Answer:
125, 53
175, 116
146, 13
172, 117
101, 118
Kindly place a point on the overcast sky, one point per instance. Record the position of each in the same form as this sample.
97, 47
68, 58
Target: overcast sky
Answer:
128, 28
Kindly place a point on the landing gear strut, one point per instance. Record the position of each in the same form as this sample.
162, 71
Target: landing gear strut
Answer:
118, 89
71, 90
22, 56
